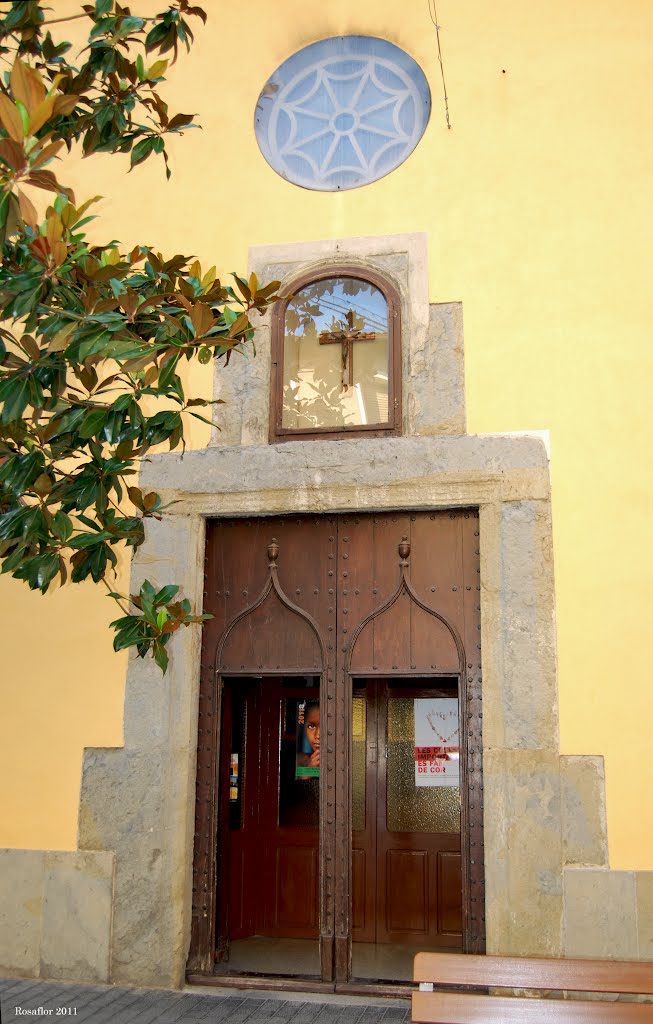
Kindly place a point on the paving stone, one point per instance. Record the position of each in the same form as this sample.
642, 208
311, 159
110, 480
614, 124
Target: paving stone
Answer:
97, 1004
149, 1008
29, 986
9, 985
225, 1014
108, 1010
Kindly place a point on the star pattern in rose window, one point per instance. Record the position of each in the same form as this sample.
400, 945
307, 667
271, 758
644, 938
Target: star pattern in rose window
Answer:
343, 119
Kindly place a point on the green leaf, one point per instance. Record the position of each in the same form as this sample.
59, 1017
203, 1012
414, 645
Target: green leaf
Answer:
141, 151
93, 423
47, 570
168, 372
88, 540
166, 594
161, 655
43, 484
157, 70
103, 7
15, 398
62, 526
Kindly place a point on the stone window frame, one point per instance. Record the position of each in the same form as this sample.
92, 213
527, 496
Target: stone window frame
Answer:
393, 426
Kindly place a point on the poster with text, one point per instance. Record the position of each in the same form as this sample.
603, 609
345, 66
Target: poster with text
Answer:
307, 758
437, 743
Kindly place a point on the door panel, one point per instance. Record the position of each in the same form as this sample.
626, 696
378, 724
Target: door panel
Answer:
407, 873
271, 878
449, 884
359, 880
296, 890
403, 890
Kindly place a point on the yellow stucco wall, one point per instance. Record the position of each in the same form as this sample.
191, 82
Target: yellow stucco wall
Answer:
538, 208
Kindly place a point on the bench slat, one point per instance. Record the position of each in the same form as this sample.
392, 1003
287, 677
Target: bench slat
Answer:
456, 1008
634, 977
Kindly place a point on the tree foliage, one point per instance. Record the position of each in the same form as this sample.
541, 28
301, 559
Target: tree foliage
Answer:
92, 338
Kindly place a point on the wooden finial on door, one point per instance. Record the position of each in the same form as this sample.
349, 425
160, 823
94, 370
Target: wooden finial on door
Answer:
273, 551
404, 551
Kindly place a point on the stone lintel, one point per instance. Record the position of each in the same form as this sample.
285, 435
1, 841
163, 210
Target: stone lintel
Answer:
356, 473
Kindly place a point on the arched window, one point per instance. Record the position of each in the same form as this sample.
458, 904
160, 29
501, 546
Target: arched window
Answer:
336, 363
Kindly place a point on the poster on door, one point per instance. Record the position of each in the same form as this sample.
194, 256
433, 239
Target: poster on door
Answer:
437, 742
307, 757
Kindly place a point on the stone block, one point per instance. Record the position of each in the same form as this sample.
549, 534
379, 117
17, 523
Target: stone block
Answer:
528, 684
600, 919
150, 931
522, 852
436, 397
21, 909
584, 826
644, 902
76, 936
175, 552
122, 794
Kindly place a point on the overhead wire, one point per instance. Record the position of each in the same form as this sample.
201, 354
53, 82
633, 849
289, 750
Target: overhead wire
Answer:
370, 318
433, 14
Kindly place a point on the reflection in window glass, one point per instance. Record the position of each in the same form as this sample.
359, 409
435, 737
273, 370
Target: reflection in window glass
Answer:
299, 780
335, 359
237, 761
358, 762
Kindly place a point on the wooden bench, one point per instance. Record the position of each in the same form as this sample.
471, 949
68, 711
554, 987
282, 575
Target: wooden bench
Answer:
483, 972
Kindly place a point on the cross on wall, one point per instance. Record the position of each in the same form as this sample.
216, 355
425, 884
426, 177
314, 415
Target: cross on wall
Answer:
346, 338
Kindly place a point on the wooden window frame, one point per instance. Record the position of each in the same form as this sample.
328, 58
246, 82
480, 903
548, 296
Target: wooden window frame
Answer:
392, 427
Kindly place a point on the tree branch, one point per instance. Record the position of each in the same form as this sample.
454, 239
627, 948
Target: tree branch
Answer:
70, 17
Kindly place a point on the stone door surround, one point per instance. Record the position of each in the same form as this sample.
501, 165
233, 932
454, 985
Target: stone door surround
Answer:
544, 820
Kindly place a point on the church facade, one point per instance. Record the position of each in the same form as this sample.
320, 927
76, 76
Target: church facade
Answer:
419, 542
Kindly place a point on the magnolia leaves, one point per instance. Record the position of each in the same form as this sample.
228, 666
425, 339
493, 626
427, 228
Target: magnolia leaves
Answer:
110, 103
23, 156
158, 617
93, 338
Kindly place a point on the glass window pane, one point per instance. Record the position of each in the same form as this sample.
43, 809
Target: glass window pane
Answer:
299, 772
342, 112
413, 808
237, 761
335, 361
358, 764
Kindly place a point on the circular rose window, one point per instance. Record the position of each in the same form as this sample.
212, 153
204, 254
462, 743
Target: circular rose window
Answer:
342, 112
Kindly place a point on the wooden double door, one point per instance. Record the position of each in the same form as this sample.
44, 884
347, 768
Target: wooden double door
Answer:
374, 613
406, 877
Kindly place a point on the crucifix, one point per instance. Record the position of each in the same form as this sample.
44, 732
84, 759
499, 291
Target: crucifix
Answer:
346, 338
